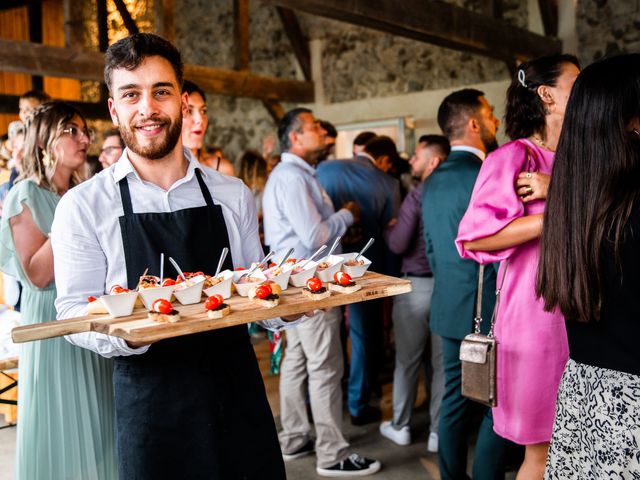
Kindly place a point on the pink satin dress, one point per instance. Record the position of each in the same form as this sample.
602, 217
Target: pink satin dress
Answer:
532, 343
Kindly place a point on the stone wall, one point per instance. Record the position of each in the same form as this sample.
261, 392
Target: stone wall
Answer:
357, 63
607, 27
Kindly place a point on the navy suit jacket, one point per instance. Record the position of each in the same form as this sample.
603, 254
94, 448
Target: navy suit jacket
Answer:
377, 193
445, 198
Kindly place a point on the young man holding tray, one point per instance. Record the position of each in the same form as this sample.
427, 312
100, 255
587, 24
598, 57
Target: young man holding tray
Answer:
191, 406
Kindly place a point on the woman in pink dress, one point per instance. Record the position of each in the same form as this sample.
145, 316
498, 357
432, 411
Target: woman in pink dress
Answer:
503, 223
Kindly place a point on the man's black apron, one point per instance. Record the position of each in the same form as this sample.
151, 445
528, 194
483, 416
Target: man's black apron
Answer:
192, 407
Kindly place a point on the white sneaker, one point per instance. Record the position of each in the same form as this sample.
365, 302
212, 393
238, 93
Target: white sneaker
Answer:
432, 444
401, 437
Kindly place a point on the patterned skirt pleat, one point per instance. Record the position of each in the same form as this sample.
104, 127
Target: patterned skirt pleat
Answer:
596, 433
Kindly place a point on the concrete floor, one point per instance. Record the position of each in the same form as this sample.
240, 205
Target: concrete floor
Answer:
398, 463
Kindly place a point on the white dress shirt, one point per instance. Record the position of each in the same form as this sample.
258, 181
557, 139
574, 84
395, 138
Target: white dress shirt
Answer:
87, 242
466, 148
296, 210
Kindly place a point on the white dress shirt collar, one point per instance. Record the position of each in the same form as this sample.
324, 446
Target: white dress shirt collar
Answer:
124, 167
466, 148
288, 157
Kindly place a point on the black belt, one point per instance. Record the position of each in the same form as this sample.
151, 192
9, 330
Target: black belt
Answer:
419, 275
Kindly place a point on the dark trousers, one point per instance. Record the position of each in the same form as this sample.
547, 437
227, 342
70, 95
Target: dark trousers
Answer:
365, 329
456, 417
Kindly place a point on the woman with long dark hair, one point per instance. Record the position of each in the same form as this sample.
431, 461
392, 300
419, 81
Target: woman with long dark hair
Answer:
589, 264
503, 223
66, 419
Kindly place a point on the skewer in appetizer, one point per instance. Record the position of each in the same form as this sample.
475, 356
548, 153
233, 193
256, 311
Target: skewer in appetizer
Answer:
315, 290
266, 294
343, 283
163, 312
216, 308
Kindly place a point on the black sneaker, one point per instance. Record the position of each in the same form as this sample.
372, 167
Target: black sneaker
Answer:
353, 466
307, 449
369, 415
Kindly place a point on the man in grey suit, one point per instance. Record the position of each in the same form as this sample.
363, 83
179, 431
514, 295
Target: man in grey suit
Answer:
467, 119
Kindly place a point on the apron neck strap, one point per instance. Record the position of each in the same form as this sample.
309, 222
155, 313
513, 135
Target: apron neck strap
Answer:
125, 194
203, 187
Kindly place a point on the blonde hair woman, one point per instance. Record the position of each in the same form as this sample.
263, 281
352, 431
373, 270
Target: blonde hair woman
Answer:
65, 420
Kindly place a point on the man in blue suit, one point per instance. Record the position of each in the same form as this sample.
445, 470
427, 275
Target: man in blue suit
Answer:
467, 119
378, 195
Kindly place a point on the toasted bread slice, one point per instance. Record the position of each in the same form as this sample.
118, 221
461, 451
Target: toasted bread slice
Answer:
269, 302
172, 317
316, 296
354, 287
222, 311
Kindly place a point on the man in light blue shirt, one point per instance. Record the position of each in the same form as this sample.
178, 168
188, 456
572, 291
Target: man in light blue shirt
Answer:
299, 214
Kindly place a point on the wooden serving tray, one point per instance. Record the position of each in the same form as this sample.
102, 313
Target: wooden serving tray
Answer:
193, 318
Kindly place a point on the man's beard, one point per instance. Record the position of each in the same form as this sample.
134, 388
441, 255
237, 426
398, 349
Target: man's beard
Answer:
489, 140
158, 148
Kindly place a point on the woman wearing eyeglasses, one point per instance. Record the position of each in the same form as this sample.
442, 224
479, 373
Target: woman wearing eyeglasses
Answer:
65, 420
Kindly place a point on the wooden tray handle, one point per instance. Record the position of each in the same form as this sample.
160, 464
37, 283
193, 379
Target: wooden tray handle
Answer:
28, 333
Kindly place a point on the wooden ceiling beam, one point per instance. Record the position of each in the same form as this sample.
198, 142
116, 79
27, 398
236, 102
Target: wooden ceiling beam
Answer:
241, 34
433, 22
47, 60
549, 14
34, 14
9, 4
128, 20
92, 111
299, 42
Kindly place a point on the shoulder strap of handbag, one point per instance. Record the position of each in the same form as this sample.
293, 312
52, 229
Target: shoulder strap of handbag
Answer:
478, 318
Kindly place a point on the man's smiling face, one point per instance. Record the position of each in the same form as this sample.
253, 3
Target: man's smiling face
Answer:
147, 106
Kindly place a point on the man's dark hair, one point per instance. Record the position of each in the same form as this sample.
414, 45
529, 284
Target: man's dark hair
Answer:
456, 109
38, 95
190, 87
382, 145
363, 138
329, 128
439, 141
113, 132
288, 123
130, 52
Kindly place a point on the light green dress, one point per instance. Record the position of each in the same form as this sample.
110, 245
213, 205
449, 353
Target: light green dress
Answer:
66, 415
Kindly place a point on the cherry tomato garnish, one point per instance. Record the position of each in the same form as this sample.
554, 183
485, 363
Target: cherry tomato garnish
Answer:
213, 302
271, 264
91, 299
162, 306
116, 289
168, 282
342, 278
314, 284
263, 291
238, 269
197, 274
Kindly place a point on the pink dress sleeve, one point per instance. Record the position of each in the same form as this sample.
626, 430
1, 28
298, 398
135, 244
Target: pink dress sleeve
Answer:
494, 202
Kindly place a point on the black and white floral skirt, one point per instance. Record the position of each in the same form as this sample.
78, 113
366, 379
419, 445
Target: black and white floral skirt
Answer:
596, 433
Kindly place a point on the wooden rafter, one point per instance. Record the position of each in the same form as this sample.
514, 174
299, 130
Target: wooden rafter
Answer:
549, 14
9, 4
129, 22
299, 42
165, 20
94, 111
434, 22
241, 33
47, 60
34, 13
275, 109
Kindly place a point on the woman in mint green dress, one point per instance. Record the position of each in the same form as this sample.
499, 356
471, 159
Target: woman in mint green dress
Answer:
65, 397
